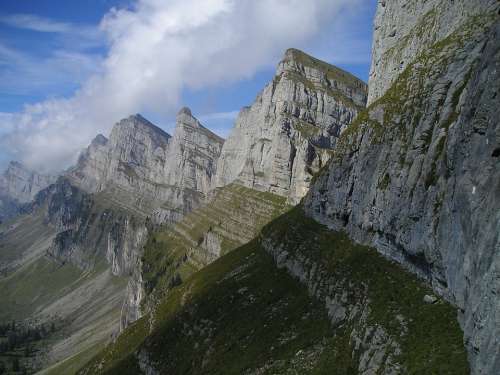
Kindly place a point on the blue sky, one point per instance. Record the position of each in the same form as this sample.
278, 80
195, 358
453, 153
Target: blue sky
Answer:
51, 49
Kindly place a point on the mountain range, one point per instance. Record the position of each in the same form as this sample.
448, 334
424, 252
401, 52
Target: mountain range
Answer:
342, 227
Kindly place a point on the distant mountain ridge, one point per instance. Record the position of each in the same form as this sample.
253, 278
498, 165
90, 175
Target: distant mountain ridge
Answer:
19, 185
123, 187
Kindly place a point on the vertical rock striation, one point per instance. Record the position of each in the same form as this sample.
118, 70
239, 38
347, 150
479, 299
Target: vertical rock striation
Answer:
288, 133
22, 184
19, 185
417, 175
405, 29
190, 168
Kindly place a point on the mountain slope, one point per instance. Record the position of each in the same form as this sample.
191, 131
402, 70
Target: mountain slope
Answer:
70, 256
234, 217
242, 314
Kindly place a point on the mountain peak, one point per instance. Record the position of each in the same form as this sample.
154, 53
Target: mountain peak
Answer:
185, 117
310, 68
99, 140
137, 122
185, 111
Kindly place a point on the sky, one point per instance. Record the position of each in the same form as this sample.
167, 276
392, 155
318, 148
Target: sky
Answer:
71, 69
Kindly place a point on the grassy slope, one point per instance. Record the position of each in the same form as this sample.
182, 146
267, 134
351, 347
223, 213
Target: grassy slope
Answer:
235, 216
243, 315
35, 286
85, 305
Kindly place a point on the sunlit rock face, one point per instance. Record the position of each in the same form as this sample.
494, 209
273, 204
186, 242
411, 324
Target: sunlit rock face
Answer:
288, 133
167, 175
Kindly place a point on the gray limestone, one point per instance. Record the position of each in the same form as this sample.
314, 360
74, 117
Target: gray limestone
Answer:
418, 175
19, 185
288, 133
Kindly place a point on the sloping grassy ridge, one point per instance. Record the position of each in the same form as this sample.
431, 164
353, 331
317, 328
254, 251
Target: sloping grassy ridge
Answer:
234, 217
243, 315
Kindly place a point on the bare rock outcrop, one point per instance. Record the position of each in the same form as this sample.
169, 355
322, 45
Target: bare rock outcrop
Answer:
417, 175
288, 133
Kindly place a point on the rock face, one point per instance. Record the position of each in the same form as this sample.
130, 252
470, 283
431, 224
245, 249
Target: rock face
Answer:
132, 160
190, 168
417, 175
405, 29
22, 184
141, 173
286, 136
168, 176
19, 185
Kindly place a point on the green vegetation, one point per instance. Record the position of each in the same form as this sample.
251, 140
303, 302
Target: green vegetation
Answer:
432, 342
234, 217
241, 314
34, 286
385, 182
332, 72
308, 131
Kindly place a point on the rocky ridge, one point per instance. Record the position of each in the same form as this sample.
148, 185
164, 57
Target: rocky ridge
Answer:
19, 185
417, 174
287, 135
100, 211
22, 184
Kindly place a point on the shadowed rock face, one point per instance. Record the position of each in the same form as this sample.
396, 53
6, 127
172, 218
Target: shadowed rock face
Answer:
417, 174
287, 134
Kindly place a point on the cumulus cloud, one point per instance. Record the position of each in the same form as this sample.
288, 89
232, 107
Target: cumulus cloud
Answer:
157, 49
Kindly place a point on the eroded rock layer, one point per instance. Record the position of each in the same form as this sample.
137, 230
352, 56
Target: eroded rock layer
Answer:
417, 175
287, 134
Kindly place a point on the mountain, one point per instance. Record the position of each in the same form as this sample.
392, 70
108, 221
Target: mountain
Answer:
19, 185
143, 161
288, 133
418, 175
396, 238
184, 254
88, 229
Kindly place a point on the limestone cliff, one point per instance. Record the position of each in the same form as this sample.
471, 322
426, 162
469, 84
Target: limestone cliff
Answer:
287, 134
19, 185
405, 29
168, 176
417, 175
132, 160
190, 168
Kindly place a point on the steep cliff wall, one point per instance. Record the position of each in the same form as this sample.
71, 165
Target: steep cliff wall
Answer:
286, 136
417, 175
19, 185
190, 168
22, 184
168, 176
405, 29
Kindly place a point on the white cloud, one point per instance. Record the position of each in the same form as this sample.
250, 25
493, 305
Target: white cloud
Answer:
35, 23
46, 25
158, 48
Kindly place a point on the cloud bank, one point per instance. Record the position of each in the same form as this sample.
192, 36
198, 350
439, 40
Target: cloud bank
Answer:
156, 50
